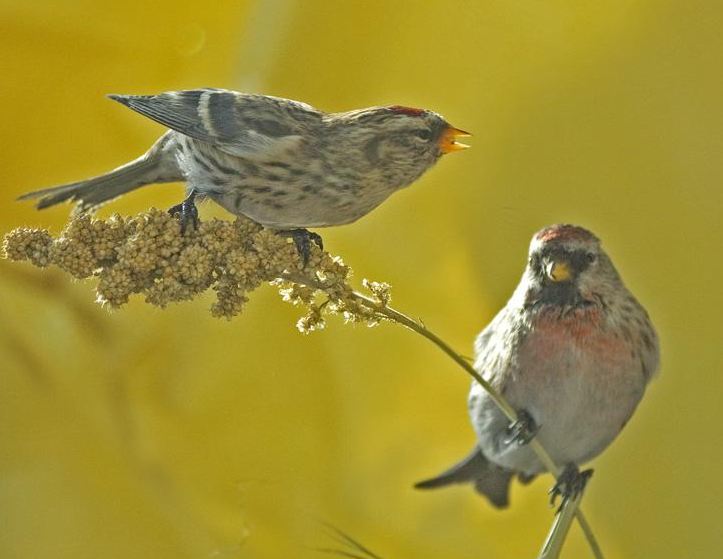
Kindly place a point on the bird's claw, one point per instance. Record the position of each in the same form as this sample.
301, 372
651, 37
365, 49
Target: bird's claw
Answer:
186, 211
569, 485
302, 240
522, 430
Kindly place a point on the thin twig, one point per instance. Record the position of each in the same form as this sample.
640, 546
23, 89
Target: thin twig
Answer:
560, 527
508, 410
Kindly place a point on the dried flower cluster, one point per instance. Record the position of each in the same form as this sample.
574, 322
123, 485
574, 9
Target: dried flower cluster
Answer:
148, 254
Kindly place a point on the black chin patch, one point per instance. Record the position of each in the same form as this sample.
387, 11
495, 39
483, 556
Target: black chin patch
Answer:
559, 294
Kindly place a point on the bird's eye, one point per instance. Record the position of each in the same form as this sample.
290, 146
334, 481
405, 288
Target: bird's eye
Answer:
422, 134
590, 257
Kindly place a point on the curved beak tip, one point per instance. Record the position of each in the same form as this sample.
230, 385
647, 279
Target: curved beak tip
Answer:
459, 132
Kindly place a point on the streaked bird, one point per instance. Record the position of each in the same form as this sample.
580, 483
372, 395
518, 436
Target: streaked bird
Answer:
281, 163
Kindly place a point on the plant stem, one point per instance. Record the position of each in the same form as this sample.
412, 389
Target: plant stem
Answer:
558, 532
508, 410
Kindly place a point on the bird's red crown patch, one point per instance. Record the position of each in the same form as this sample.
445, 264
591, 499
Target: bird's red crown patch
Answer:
564, 233
400, 109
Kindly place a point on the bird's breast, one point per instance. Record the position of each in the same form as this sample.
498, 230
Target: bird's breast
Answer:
578, 378
574, 352
561, 332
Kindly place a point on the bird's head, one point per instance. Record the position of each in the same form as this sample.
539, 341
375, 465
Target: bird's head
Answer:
403, 142
567, 267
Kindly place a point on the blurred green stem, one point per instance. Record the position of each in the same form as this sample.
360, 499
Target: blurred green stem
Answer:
558, 532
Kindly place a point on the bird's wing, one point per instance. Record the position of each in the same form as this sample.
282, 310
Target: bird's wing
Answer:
237, 123
494, 348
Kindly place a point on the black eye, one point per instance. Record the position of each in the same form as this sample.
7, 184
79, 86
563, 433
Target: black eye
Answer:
590, 257
422, 134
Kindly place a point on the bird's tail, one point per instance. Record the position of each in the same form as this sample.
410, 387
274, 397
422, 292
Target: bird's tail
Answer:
153, 167
489, 480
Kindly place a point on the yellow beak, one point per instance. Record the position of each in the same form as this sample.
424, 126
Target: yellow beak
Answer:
558, 271
448, 142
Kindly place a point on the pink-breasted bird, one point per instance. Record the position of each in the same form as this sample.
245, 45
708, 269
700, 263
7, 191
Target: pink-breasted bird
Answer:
281, 163
572, 351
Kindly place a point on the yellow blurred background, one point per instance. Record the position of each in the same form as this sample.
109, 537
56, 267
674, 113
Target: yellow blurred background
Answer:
170, 434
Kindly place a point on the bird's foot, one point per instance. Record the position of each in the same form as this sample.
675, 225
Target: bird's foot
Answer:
303, 239
522, 430
570, 484
187, 212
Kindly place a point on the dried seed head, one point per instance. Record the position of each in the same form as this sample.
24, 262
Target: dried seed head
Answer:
146, 254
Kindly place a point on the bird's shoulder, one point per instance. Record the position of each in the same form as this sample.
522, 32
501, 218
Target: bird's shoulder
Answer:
505, 328
495, 346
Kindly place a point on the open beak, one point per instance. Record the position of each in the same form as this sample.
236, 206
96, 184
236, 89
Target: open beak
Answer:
558, 271
448, 142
